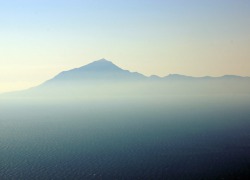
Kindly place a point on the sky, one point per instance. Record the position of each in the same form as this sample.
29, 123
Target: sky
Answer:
40, 38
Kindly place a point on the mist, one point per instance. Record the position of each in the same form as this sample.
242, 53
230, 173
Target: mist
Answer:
129, 130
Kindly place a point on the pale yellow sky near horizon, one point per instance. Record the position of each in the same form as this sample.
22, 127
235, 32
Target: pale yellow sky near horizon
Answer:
40, 39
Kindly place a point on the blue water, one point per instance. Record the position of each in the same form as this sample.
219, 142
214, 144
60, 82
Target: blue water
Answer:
175, 138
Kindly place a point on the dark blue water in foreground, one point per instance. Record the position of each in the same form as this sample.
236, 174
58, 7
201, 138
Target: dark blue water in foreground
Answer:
184, 138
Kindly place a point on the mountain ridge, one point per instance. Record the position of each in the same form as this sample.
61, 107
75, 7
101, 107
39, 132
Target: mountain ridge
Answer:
104, 65
98, 70
105, 72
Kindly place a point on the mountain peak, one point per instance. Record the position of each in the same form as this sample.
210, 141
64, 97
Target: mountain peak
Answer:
102, 60
101, 65
98, 70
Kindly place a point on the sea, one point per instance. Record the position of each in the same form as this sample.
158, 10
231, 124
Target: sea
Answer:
172, 137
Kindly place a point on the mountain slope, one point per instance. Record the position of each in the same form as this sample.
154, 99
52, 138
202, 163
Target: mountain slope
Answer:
101, 70
102, 77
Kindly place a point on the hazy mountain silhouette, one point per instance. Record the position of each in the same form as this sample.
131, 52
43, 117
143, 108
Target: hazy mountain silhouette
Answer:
101, 70
104, 77
105, 71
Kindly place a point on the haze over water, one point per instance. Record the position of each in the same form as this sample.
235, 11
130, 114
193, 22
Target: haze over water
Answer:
144, 130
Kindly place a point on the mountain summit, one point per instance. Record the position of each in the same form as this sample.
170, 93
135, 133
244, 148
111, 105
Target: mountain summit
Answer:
99, 65
104, 77
100, 70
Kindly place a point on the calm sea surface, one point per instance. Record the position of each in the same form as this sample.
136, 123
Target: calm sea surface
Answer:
173, 138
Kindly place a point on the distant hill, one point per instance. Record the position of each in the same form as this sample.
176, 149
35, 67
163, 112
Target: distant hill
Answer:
105, 71
101, 70
104, 77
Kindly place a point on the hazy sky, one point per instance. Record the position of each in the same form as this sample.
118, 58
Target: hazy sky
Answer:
40, 38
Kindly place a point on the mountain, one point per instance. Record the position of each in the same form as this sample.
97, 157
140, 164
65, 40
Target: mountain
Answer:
101, 70
102, 77
178, 77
